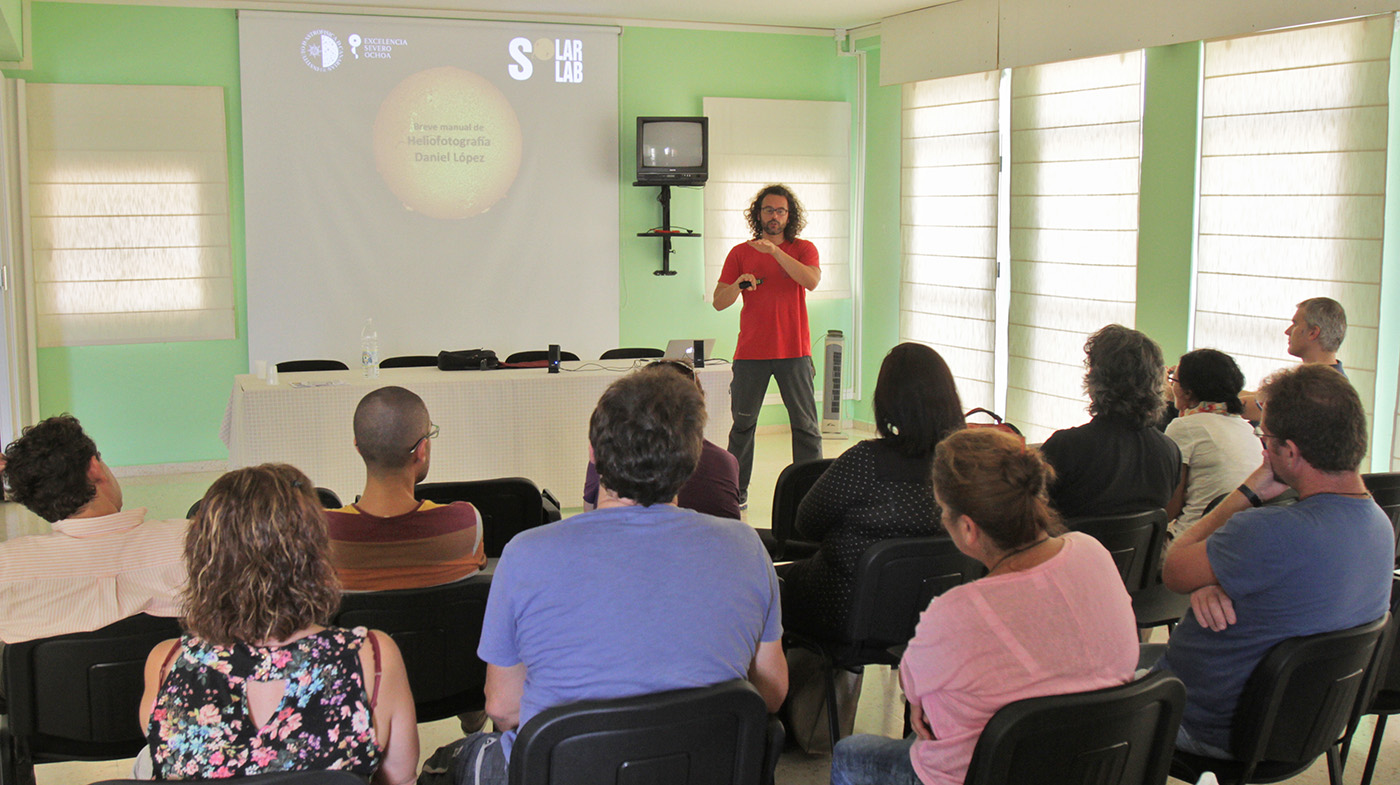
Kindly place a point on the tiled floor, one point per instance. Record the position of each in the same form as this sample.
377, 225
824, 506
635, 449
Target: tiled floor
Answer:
881, 705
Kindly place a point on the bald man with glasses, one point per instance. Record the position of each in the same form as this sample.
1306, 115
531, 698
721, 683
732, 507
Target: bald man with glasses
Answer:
388, 539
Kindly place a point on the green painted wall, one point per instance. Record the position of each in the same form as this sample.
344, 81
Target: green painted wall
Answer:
1388, 344
1167, 200
147, 403
883, 239
667, 71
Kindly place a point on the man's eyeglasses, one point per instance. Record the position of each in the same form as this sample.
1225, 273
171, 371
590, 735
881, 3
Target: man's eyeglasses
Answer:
769, 212
431, 434
1265, 437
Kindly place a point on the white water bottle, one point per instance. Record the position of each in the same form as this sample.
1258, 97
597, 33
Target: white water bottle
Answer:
369, 350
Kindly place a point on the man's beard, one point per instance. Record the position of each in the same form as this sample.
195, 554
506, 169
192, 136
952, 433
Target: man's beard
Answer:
773, 227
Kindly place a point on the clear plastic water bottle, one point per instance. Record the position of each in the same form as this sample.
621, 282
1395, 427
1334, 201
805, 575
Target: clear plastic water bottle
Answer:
369, 350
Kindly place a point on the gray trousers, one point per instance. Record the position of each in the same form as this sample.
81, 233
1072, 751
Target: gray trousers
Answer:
746, 391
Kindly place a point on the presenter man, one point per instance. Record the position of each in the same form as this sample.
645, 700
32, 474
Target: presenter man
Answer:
773, 273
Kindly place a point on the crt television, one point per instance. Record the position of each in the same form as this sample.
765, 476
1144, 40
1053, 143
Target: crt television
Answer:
673, 150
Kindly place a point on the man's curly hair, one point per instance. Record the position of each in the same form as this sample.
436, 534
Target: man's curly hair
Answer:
797, 217
46, 468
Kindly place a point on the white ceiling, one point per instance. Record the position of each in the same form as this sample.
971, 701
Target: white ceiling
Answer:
809, 14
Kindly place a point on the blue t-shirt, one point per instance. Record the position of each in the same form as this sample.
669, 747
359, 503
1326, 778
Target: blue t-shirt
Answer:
627, 601
1320, 565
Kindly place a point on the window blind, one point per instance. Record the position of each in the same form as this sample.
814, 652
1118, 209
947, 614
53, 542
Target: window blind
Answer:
948, 196
1293, 146
128, 207
1075, 150
804, 145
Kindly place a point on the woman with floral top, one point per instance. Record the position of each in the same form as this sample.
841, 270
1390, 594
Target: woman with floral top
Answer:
258, 683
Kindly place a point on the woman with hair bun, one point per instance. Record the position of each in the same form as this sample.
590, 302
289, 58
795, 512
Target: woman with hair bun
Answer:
1218, 446
257, 683
1050, 617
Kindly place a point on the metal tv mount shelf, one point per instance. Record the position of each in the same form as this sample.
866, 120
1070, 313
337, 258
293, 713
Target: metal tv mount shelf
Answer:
665, 232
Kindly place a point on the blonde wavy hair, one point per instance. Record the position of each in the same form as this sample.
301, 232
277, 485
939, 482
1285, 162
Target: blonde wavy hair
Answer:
257, 555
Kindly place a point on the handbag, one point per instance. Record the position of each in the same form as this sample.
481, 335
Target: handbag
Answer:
805, 708
468, 360
998, 423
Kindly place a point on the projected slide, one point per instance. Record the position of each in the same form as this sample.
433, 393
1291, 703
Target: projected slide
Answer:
455, 181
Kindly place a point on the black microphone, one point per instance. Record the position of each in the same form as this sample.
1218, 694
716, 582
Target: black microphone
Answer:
554, 358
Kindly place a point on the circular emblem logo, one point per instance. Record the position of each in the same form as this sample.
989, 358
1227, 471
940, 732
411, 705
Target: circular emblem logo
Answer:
321, 50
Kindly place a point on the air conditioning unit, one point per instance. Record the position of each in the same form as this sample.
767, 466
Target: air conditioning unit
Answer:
831, 383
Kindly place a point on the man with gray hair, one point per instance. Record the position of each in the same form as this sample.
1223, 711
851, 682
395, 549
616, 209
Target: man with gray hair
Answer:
1314, 335
389, 539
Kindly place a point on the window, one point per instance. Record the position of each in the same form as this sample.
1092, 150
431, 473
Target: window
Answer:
128, 208
1072, 239
949, 190
1292, 194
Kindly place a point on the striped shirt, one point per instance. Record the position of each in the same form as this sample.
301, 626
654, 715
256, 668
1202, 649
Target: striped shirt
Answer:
432, 545
89, 573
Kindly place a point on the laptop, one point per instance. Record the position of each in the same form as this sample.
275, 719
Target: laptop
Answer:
684, 349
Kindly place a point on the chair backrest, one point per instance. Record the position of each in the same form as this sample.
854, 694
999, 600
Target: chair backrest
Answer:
1299, 698
437, 629
75, 696
1385, 489
704, 736
793, 484
632, 353
539, 355
410, 361
1134, 539
296, 366
508, 505
327, 497
896, 580
1105, 737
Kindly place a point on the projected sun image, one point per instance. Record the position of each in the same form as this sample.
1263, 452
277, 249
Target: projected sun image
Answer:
447, 143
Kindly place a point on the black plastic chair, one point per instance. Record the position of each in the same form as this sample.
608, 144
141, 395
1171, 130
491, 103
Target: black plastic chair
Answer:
1134, 539
536, 356
1384, 699
508, 506
1385, 489
297, 366
632, 353
792, 486
706, 736
437, 629
75, 697
1114, 736
1296, 705
895, 581
328, 497
410, 361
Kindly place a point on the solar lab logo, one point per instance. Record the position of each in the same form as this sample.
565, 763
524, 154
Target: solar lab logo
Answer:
322, 51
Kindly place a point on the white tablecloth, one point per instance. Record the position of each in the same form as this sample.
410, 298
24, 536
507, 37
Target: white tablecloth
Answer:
502, 423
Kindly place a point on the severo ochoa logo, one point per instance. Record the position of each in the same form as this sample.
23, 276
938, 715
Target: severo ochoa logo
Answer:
322, 51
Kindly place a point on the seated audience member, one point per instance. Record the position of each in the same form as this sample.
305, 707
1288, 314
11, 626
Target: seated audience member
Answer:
101, 564
714, 487
878, 489
1314, 335
1118, 462
1050, 617
1260, 576
638, 596
257, 683
1218, 447
388, 539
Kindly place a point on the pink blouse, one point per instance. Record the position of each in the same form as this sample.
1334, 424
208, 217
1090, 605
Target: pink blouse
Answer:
1065, 625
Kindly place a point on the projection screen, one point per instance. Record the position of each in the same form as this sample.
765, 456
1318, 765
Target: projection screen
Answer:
455, 181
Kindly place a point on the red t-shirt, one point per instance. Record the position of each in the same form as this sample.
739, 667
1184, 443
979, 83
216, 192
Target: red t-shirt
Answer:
773, 322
